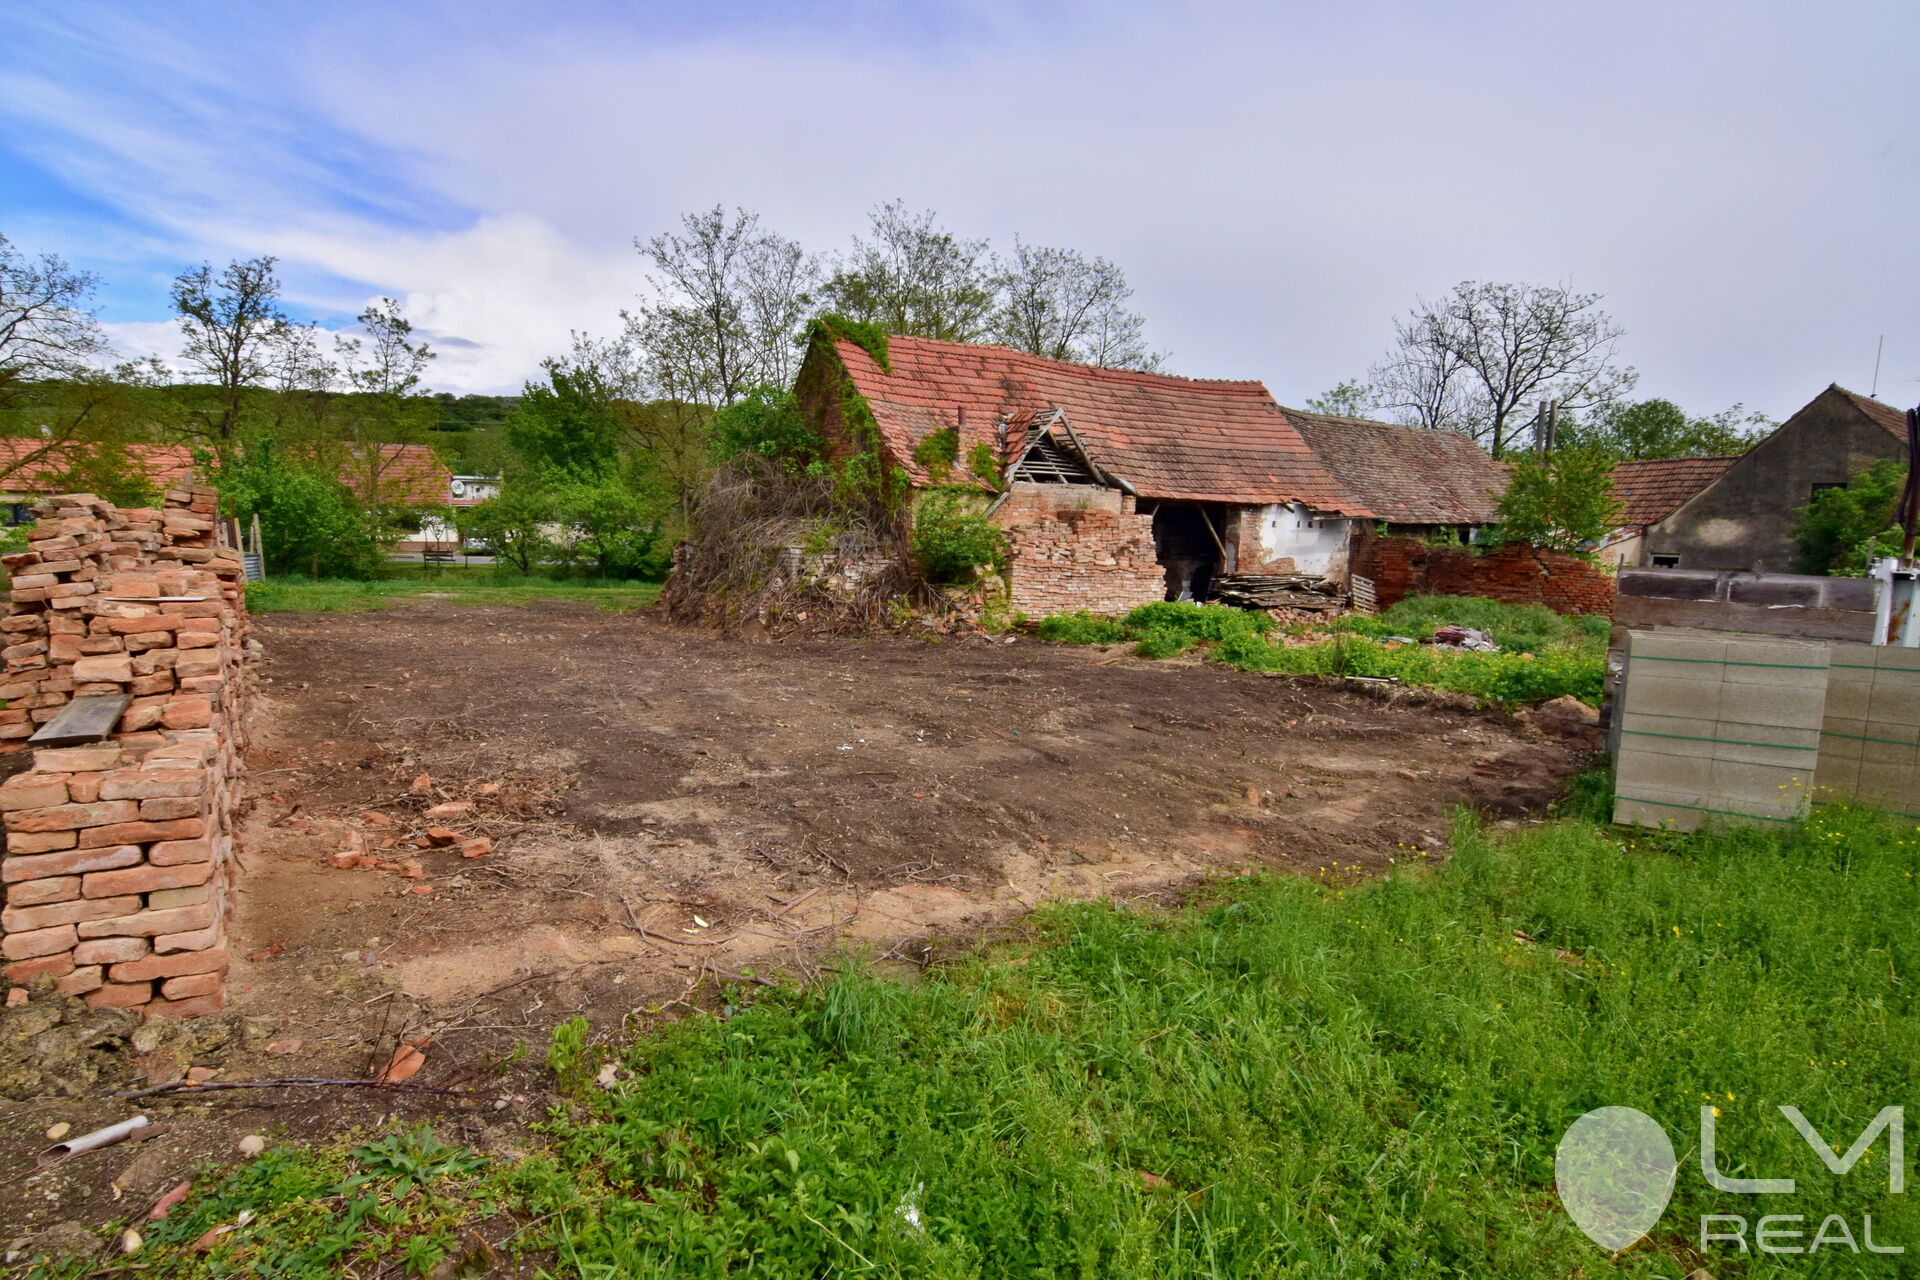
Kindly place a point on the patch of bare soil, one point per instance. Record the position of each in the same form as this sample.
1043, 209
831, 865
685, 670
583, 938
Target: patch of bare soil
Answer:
660, 812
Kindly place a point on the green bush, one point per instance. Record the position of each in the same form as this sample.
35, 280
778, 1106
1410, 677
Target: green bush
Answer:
1529, 627
952, 538
309, 521
1201, 621
1163, 642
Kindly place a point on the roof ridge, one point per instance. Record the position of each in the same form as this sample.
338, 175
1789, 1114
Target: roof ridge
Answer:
1104, 370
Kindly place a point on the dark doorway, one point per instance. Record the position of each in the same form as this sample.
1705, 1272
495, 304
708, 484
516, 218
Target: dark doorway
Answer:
1188, 548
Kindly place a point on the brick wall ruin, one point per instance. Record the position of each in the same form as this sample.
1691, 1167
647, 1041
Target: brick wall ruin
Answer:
118, 852
1078, 547
1514, 574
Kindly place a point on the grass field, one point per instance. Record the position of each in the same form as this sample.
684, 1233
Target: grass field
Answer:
1300, 1077
452, 585
1543, 655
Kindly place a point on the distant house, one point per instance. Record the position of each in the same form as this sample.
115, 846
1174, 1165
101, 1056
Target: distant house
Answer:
1116, 487
1742, 519
1648, 491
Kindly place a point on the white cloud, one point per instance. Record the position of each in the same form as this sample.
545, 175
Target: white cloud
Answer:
1278, 182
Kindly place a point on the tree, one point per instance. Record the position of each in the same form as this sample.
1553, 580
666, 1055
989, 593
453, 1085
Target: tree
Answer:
1562, 501
1843, 528
914, 277
52, 388
565, 427
382, 371
514, 524
1062, 305
1480, 357
1351, 399
308, 519
767, 423
237, 338
1661, 429
732, 299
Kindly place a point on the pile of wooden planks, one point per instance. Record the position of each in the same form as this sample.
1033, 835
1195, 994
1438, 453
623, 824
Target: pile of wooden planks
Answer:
1277, 591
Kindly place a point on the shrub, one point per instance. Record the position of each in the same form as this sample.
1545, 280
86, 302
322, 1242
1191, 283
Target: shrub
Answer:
952, 538
1164, 642
1842, 529
1201, 621
767, 423
1563, 502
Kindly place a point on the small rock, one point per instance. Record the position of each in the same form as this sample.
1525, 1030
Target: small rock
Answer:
442, 835
130, 1241
422, 784
451, 809
290, 1045
59, 1131
478, 847
200, 1075
252, 1145
16, 996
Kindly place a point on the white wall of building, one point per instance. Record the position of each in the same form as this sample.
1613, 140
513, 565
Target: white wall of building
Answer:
1314, 541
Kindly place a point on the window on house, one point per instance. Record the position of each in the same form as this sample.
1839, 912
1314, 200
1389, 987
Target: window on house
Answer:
19, 513
1666, 562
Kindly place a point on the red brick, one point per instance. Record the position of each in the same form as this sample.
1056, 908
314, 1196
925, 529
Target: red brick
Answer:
16, 919
147, 879
192, 984
58, 964
32, 791
40, 841
144, 784
31, 943
197, 1007
104, 670
187, 713
158, 682
145, 924
33, 893
80, 981
67, 863
118, 995
190, 940
70, 817
149, 622
110, 950
84, 788
170, 966
77, 759
170, 853
141, 832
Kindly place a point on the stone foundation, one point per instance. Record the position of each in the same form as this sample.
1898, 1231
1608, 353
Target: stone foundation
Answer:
118, 853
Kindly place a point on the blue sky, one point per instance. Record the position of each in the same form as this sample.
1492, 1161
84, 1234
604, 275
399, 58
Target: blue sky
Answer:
1278, 180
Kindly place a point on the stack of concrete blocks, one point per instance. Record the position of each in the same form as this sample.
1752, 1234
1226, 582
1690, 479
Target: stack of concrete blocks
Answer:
118, 853
1870, 741
1719, 729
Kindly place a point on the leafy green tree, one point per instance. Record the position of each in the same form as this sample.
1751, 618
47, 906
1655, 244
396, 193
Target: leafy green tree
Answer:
1843, 528
309, 520
767, 423
1562, 501
566, 426
952, 538
613, 530
1351, 399
915, 277
1662, 429
516, 524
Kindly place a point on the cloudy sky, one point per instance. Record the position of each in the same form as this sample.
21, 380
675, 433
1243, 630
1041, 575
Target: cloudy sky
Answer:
1742, 181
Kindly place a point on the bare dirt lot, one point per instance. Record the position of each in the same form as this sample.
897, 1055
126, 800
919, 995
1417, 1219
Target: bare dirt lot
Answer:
669, 812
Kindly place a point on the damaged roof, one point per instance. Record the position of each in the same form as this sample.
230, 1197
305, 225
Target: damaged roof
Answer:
1406, 475
1166, 437
1651, 489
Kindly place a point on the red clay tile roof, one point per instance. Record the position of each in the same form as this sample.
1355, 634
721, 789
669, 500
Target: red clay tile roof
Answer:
408, 473
1653, 488
1168, 437
1407, 475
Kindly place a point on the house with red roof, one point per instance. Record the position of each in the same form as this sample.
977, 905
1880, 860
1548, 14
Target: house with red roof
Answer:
1648, 491
1116, 487
1742, 517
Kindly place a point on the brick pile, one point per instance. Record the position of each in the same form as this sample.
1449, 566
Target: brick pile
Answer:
1513, 574
118, 852
1078, 547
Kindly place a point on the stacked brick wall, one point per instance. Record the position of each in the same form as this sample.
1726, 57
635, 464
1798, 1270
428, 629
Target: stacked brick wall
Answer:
118, 853
1514, 574
1078, 547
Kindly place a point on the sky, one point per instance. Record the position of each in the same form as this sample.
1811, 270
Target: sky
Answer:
1278, 180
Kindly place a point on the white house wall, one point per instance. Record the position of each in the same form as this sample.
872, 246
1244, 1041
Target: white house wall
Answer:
1290, 538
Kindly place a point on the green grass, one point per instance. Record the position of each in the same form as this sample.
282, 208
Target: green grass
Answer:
475, 586
1326, 1078
1543, 655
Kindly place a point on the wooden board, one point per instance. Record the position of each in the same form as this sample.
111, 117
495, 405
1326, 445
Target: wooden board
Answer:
1795, 621
85, 719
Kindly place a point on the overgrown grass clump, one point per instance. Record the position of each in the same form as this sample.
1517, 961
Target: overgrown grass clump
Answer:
470, 587
1295, 1077
1543, 655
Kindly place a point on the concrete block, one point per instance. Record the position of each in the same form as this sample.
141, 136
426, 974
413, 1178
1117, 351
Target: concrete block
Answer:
1637, 771
1691, 697
1794, 749
1676, 647
1767, 704
1896, 698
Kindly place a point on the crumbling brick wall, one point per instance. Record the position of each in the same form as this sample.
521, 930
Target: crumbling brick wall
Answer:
1514, 574
119, 853
1078, 547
